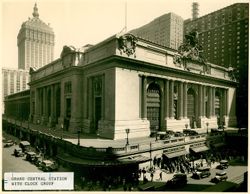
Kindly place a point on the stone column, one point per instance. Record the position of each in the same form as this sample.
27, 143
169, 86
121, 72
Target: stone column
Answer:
200, 101
171, 99
76, 102
180, 100
204, 101
225, 108
37, 103
144, 97
210, 102
52, 97
41, 101
90, 99
62, 110
166, 101
45, 109
185, 100
213, 101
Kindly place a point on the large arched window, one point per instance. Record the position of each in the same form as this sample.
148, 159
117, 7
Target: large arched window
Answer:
154, 106
191, 106
217, 106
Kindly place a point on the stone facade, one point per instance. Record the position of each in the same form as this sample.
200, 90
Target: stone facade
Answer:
125, 82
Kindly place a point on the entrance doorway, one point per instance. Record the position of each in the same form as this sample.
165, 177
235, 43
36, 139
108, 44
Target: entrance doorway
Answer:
153, 106
217, 108
68, 113
191, 107
98, 112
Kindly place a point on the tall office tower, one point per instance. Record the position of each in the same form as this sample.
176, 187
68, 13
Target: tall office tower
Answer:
224, 37
165, 30
35, 43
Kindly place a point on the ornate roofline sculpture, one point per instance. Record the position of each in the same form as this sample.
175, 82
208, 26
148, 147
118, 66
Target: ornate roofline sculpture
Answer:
127, 44
191, 50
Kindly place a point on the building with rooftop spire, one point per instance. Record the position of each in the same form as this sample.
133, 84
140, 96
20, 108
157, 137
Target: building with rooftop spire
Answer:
35, 43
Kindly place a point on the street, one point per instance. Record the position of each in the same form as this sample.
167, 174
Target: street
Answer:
19, 164
16, 164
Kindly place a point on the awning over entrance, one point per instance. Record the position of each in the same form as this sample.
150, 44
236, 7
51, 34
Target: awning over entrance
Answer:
176, 154
100, 163
134, 159
200, 149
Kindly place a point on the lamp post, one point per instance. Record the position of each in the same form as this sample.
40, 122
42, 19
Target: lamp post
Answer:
127, 132
207, 126
78, 134
156, 133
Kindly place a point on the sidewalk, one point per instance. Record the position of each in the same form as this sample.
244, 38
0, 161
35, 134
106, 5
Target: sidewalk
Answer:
167, 176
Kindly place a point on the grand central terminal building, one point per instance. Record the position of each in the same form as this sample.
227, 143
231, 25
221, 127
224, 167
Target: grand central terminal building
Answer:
126, 82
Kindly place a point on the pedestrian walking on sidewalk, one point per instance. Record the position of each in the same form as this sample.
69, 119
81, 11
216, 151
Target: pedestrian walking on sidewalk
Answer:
152, 176
160, 176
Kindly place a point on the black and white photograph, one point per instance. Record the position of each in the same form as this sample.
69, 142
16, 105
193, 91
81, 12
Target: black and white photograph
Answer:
124, 95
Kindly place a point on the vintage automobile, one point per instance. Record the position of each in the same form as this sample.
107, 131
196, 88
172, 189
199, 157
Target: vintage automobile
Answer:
8, 143
223, 165
217, 130
177, 180
220, 176
18, 152
25, 146
48, 166
202, 172
38, 161
178, 134
189, 132
36, 158
30, 156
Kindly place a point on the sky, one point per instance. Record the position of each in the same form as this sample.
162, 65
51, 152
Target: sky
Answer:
81, 22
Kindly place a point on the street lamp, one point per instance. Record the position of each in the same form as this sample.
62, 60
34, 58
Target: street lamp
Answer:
127, 132
78, 133
207, 126
156, 133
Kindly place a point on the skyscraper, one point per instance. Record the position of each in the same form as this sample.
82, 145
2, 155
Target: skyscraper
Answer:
224, 37
35, 49
35, 43
166, 30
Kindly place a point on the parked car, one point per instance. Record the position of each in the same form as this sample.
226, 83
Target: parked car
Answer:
38, 161
162, 134
48, 166
30, 156
220, 176
25, 146
189, 132
223, 165
178, 180
36, 158
202, 172
217, 130
8, 143
18, 152
178, 134
170, 133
